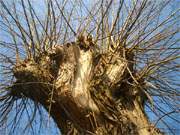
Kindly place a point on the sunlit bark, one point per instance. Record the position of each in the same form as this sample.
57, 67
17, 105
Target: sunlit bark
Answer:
82, 87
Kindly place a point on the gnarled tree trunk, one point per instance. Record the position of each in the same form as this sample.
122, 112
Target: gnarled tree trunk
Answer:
85, 91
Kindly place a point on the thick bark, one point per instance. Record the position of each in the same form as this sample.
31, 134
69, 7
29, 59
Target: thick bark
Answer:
89, 92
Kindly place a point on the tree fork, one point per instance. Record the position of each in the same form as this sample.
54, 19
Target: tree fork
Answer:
85, 91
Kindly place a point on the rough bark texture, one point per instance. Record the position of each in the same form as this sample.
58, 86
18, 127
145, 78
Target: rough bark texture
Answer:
86, 92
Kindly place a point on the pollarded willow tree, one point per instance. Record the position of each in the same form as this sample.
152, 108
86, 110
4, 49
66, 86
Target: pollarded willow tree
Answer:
94, 66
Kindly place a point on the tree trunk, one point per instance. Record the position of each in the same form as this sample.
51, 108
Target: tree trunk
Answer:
85, 91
